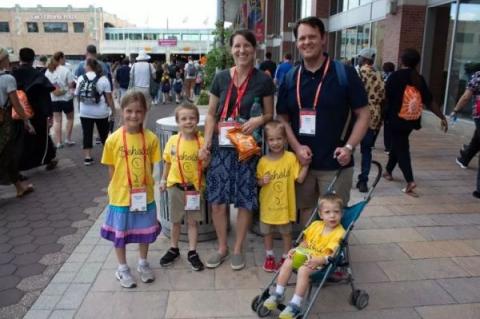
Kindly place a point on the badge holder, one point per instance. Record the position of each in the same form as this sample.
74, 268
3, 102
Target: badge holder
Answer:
192, 200
307, 122
223, 127
138, 200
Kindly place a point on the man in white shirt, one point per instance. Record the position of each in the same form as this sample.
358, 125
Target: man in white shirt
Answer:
190, 76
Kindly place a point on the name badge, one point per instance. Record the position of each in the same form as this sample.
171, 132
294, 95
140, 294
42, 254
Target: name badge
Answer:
192, 200
307, 122
138, 200
223, 128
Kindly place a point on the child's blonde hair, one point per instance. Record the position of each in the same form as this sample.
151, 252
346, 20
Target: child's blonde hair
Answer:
330, 198
275, 125
132, 97
187, 106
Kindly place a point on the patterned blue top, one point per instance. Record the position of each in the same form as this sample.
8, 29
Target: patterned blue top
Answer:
474, 86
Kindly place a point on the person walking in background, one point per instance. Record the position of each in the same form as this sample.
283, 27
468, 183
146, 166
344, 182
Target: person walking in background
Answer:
62, 97
130, 154
141, 73
91, 53
388, 69
190, 76
178, 87
268, 66
9, 173
407, 93
122, 76
283, 69
230, 181
37, 149
468, 153
96, 105
165, 87
199, 79
374, 85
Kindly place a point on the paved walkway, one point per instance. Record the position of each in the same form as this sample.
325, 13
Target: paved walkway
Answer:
416, 257
39, 232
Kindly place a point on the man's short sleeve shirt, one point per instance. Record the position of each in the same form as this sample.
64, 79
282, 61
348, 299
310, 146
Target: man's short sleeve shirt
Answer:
336, 101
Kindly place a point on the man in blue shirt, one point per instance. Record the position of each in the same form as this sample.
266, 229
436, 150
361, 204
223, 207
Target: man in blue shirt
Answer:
324, 106
283, 69
92, 53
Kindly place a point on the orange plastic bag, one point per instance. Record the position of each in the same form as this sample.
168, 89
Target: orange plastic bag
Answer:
25, 104
245, 145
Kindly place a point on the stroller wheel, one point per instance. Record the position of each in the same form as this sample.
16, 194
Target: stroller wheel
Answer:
255, 302
262, 311
359, 298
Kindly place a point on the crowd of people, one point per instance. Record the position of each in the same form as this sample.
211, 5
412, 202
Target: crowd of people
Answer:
324, 111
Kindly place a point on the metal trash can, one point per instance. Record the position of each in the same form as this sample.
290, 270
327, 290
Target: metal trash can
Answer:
165, 128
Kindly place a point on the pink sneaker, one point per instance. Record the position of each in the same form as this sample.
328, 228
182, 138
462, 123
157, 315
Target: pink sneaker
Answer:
269, 264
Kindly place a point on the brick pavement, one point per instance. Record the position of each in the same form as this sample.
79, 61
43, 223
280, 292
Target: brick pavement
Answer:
39, 232
418, 258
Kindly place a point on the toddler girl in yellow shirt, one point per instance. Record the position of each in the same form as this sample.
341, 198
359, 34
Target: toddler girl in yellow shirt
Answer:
277, 173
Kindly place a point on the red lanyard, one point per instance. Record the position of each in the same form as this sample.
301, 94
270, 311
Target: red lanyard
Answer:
182, 176
240, 93
317, 94
125, 149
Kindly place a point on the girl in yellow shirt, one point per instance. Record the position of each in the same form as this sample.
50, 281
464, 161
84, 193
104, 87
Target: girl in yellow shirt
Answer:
277, 173
130, 153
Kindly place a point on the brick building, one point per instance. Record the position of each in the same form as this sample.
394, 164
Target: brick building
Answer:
448, 38
48, 29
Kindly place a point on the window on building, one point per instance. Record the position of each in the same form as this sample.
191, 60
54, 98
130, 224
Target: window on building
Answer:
32, 27
465, 37
54, 27
362, 2
353, 4
78, 27
334, 7
190, 37
4, 27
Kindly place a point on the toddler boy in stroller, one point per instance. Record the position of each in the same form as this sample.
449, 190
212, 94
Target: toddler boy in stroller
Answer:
321, 240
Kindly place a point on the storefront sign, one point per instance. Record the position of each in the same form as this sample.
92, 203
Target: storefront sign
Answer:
53, 17
167, 42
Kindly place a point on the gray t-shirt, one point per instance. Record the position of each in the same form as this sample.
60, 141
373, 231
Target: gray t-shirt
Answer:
259, 85
7, 85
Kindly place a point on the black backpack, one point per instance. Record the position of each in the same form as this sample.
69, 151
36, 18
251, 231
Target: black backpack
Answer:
191, 70
88, 92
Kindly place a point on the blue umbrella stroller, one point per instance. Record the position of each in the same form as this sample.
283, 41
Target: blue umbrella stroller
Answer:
359, 298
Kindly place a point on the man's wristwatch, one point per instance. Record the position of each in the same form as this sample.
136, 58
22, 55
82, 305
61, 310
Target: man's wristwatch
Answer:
349, 147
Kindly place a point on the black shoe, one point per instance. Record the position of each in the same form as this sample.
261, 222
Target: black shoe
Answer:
461, 163
362, 186
169, 257
88, 161
195, 261
53, 163
476, 194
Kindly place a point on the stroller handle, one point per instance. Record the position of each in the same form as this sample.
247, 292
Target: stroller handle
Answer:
375, 182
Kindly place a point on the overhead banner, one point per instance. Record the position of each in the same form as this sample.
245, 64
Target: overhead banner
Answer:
256, 11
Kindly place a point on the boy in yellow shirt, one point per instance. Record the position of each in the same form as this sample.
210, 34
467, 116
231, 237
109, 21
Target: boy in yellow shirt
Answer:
183, 179
277, 173
321, 239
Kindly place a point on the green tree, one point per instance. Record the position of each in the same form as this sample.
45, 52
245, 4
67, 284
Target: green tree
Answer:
219, 57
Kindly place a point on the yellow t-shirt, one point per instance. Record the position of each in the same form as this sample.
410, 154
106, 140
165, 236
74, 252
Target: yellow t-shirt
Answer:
114, 155
277, 198
320, 244
188, 158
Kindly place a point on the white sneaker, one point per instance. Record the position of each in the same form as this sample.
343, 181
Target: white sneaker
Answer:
69, 142
146, 273
125, 278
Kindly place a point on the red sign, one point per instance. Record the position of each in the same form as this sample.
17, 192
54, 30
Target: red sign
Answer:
167, 42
